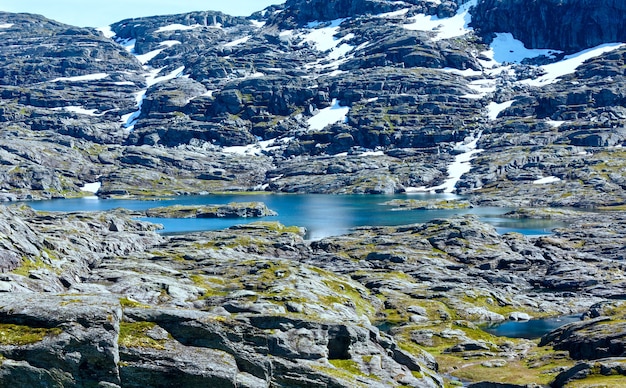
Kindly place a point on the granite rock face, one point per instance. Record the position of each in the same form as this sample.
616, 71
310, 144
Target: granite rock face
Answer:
570, 26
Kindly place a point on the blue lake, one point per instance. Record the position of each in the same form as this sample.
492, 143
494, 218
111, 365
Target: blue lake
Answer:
531, 329
322, 215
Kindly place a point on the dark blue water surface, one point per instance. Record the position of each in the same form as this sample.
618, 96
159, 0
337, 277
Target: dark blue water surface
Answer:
531, 329
322, 215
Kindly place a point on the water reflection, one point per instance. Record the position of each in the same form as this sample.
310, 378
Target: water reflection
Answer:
322, 215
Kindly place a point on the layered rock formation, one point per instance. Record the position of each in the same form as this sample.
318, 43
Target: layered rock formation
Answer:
263, 89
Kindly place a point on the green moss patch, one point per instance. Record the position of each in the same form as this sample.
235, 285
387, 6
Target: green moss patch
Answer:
126, 302
595, 381
134, 335
20, 335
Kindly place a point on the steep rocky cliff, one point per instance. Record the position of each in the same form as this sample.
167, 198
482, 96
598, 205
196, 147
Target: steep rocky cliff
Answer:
570, 25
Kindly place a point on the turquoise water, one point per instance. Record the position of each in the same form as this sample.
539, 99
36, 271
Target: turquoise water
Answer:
322, 215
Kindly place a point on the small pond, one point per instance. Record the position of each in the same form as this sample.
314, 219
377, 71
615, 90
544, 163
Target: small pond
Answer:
531, 329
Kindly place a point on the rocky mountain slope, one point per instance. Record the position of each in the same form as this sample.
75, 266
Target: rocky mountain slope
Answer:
206, 102
341, 96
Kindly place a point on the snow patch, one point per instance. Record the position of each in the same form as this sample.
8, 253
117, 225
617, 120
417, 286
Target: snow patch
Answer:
238, 41
505, 48
80, 78
323, 38
91, 187
129, 120
6, 25
257, 24
106, 31
152, 77
79, 110
394, 14
555, 124
569, 64
328, 116
177, 27
128, 44
257, 148
373, 153
340, 51
445, 28
549, 179
147, 57
170, 43
494, 109
461, 165
464, 73
482, 87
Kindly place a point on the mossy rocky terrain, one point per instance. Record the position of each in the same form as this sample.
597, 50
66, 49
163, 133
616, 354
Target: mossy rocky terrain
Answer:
342, 97
256, 305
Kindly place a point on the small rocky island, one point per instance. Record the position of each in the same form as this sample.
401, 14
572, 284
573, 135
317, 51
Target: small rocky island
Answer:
231, 210
498, 103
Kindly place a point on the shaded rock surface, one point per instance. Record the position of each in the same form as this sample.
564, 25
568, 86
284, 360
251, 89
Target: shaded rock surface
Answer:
571, 25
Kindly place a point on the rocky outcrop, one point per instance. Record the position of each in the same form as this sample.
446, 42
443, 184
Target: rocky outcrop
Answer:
299, 12
205, 102
122, 111
231, 210
570, 26
70, 341
610, 368
259, 305
157, 326
589, 340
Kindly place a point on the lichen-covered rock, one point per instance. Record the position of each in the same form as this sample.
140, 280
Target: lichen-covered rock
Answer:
231, 210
